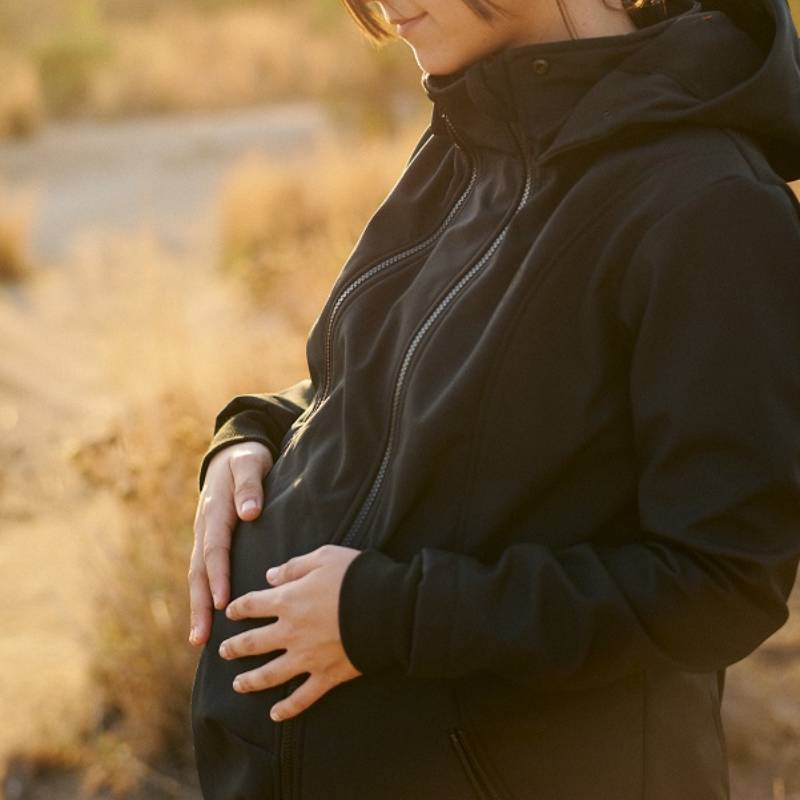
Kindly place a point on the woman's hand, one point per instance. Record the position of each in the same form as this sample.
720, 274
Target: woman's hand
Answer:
232, 488
305, 599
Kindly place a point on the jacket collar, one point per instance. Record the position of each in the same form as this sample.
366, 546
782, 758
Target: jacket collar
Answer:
536, 86
562, 95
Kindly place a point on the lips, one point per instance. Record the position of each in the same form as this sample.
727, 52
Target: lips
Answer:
406, 24
404, 20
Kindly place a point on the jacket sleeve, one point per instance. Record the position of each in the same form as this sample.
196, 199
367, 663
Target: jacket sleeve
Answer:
261, 418
711, 299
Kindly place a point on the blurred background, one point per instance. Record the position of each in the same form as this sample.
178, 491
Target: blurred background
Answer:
180, 182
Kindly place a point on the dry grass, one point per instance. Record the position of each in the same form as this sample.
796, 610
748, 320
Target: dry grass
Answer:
16, 217
281, 221
168, 345
21, 101
762, 717
172, 342
106, 59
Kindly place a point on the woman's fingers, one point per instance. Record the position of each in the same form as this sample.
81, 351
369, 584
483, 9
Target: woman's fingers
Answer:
299, 566
232, 486
301, 698
220, 519
256, 641
273, 673
249, 463
258, 604
199, 600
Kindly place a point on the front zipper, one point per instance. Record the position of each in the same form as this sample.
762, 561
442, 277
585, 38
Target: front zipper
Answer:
397, 396
475, 773
288, 728
288, 740
288, 746
359, 282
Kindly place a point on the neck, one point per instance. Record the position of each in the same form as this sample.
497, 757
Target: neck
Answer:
558, 20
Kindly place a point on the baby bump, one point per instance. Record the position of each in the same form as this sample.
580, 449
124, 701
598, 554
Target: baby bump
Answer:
296, 519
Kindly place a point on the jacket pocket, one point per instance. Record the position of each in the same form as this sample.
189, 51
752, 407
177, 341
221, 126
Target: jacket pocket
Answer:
474, 771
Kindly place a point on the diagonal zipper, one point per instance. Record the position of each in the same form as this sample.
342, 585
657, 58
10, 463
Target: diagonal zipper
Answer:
400, 384
359, 282
288, 740
288, 746
475, 773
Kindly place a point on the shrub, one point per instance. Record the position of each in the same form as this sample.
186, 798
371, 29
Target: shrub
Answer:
174, 345
287, 228
68, 56
21, 101
15, 222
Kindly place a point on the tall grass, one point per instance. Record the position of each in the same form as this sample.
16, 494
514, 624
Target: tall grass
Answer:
22, 105
111, 58
16, 216
177, 342
281, 221
174, 344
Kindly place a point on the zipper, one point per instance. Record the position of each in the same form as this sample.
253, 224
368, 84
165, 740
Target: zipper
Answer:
359, 282
288, 746
401, 381
476, 774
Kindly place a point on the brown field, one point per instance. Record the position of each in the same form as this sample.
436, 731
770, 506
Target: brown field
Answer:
110, 58
115, 361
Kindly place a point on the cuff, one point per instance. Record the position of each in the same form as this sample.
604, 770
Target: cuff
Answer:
243, 427
376, 611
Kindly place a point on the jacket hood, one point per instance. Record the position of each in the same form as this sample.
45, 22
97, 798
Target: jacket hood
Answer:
725, 63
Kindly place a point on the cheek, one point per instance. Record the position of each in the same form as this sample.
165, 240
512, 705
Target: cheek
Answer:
451, 42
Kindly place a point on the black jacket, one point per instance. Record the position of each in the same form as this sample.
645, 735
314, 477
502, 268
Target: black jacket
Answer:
555, 398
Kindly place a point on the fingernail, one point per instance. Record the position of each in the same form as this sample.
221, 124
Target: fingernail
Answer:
223, 649
237, 685
272, 574
248, 505
275, 715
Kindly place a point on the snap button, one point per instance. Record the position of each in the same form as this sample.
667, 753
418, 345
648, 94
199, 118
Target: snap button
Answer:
541, 66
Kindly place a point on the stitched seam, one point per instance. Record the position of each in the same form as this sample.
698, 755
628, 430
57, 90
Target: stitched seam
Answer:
358, 499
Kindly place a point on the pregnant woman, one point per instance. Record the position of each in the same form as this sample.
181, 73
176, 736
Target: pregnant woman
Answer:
542, 483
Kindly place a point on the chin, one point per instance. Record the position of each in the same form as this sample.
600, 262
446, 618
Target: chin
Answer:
437, 65
436, 61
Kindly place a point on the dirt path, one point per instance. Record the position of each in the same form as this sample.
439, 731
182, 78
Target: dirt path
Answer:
91, 178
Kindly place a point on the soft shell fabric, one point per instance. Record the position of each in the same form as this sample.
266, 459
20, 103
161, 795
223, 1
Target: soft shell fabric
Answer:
554, 398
